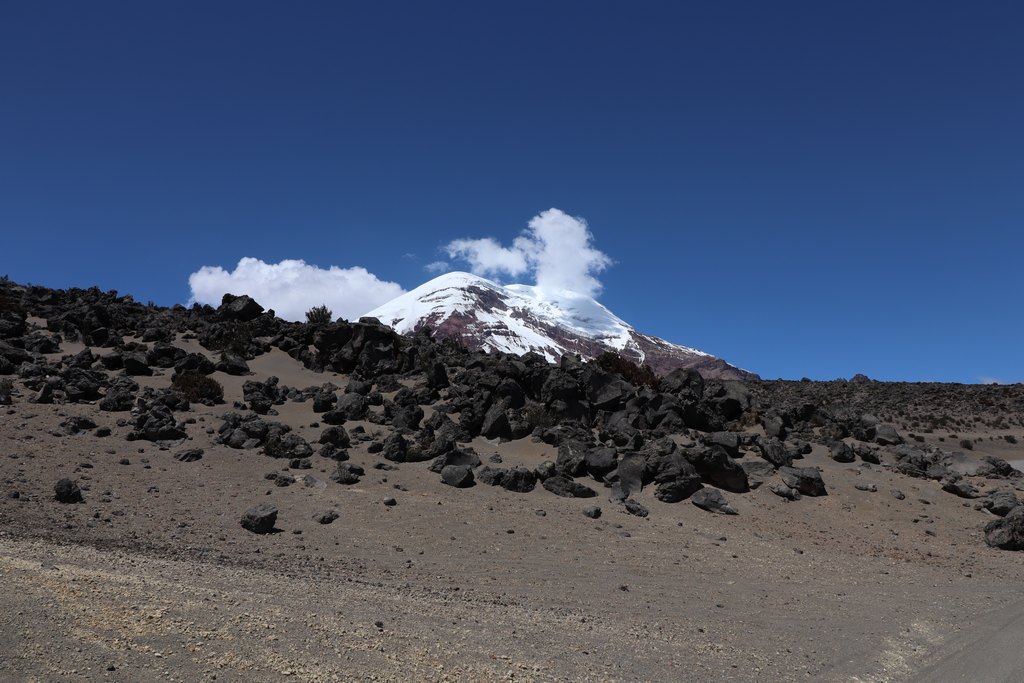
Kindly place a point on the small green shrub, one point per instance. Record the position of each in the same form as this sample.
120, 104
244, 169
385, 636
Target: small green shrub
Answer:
1010, 438
631, 372
6, 389
967, 444
198, 387
319, 315
536, 415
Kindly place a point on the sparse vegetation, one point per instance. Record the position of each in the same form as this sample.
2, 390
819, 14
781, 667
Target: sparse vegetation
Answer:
631, 372
198, 387
1010, 438
319, 315
537, 416
967, 444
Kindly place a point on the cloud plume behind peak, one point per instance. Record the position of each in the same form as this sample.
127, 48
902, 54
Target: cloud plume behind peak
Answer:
556, 248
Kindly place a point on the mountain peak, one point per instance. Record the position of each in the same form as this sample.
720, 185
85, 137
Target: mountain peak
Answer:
485, 315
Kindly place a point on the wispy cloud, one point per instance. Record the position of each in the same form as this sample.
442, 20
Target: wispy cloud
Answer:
292, 287
437, 267
556, 248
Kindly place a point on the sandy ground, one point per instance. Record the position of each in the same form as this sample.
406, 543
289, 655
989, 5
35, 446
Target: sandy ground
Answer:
153, 579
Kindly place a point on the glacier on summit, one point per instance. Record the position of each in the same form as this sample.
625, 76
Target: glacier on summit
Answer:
518, 319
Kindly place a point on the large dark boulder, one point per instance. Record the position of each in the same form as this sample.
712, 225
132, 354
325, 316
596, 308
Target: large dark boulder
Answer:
291, 446
136, 364
407, 417
729, 399
509, 391
164, 355
519, 480
572, 458
806, 480
1007, 533
157, 423
395, 448
712, 500
495, 424
232, 364
117, 400
249, 431
567, 488
241, 308
194, 363
1000, 502
350, 406
914, 462
459, 476
437, 375
677, 489
630, 473
560, 386
491, 476
774, 452
959, 487
730, 441
716, 468
336, 436
600, 461
606, 391
67, 491
76, 425
324, 401
455, 457
886, 435
12, 324
840, 451
758, 472
774, 426
516, 479
676, 477
260, 519
635, 508
687, 383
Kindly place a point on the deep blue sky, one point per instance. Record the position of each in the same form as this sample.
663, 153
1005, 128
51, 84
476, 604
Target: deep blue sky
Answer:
805, 189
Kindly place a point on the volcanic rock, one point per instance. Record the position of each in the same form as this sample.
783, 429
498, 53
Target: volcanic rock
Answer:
712, 500
260, 519
67, 491
567, 488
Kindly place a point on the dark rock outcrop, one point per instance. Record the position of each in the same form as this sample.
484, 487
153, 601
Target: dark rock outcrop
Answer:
260, 519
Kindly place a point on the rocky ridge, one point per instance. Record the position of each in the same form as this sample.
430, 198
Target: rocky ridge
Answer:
685, 437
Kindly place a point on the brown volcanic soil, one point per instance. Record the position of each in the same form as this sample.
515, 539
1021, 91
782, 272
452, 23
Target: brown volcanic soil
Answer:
152, 578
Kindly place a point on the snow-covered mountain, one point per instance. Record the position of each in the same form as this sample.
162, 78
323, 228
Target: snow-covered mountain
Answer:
521, 318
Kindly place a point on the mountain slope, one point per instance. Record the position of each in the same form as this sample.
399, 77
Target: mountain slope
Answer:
517, 319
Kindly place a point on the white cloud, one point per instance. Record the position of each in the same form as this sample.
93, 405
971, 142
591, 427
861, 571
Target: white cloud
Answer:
437, 267
990, 380
556, 248
487, 257
292, 287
